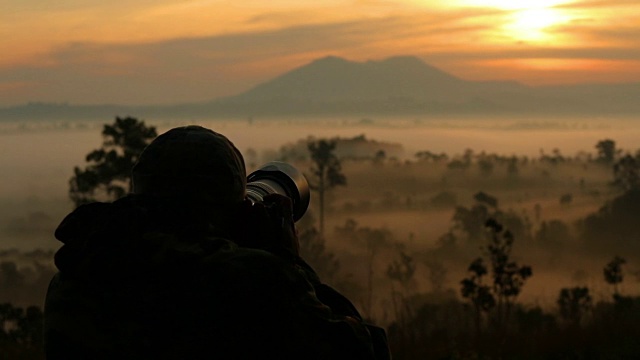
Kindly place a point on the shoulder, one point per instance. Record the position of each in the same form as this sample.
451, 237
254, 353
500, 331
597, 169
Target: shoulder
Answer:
255, 268
92, 218
82, 219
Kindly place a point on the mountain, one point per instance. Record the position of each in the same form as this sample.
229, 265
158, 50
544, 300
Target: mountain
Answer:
407, 85
333, 79
394, 86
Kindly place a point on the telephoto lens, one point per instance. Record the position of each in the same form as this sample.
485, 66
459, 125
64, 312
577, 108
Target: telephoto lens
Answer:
278, 177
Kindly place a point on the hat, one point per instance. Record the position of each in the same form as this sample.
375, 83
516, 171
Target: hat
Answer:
193, 163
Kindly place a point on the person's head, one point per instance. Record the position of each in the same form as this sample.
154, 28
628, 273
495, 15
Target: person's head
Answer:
192, 164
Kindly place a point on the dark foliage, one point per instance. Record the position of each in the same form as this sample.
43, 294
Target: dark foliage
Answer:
507, 277
574, 303
626, 173
613, 273
472, 221
21, 332
606, 151
107, 176
314, 250
26, 284
484, 198
553, 234
614, 227
444, 330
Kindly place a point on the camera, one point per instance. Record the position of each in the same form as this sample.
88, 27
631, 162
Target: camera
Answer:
278, 177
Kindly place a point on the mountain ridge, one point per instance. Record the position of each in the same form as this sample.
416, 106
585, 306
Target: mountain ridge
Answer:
397, 85
333, 78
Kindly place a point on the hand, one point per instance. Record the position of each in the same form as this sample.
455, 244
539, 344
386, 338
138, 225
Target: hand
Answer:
269, 225
281, 209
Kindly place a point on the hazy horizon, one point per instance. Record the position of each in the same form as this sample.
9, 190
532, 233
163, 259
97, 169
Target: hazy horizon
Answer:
36, 176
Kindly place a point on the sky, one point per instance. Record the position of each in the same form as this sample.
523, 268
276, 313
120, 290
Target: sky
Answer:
160, 51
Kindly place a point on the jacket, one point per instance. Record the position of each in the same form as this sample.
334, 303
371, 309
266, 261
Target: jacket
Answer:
142, 279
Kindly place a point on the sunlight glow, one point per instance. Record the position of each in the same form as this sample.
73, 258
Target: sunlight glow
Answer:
532, 24
514, 4
526, 20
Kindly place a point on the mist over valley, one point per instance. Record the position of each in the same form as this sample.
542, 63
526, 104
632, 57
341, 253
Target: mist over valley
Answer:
391, 185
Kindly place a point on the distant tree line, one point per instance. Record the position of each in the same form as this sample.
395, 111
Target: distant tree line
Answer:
21, 332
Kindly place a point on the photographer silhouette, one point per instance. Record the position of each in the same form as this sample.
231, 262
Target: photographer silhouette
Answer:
187, 267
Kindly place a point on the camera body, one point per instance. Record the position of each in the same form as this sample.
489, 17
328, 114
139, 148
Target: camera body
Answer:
278, 177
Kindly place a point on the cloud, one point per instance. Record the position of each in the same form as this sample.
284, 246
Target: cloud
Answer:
541, 52
621, 34
194, 69
203, 68
611, 22
597, 4
168, 71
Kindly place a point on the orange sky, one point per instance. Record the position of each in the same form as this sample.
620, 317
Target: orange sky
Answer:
157, 51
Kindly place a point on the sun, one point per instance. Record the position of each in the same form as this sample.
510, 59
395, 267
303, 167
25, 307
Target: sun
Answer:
533, 24
526, 20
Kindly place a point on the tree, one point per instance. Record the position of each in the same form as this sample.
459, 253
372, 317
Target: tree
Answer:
485, 165
484, 198
470, 221
21, 332
437, 274
379, 157
107, 176
512, 166
313, 249
614, 227
10, 276
373, 241
508, 276
552, 233
613, 273
606, 151
626, 173
430, 157
326, 170
574, 303
402, 271
566, 199
474, 289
